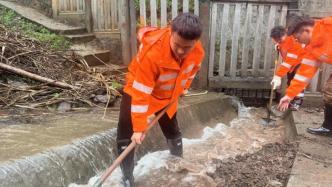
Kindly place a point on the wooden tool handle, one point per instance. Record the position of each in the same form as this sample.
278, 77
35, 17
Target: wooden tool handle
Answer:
132, 146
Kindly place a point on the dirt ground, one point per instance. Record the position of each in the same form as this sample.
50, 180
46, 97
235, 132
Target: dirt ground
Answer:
271, 166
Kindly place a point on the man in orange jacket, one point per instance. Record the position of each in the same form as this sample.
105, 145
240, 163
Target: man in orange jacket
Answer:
290, 51
167, 62
317, 36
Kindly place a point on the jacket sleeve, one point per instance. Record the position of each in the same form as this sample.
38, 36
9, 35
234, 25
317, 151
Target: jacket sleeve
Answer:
144, 82
290, 60
197, 67
192, 76
307, 70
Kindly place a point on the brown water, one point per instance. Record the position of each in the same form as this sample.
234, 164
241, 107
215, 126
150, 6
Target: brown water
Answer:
45, 131
244, 135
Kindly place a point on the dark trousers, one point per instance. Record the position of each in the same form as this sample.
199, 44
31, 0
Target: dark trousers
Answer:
169, 126
290, 76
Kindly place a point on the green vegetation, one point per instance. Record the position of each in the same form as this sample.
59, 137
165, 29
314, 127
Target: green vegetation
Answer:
14, 22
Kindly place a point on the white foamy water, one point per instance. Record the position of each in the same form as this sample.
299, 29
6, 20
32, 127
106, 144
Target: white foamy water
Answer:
208, 132
243, 135
155, 160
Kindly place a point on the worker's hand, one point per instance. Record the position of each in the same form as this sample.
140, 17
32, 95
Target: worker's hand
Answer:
276, 82
138, 137
184, 92
284, 103
150, 118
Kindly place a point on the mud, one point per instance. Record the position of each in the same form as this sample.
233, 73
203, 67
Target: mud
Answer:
243, 153
271, 166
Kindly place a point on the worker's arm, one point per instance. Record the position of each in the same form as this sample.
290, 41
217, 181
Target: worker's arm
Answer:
143, 85
307, 70
289, 61
191, 77
199, 55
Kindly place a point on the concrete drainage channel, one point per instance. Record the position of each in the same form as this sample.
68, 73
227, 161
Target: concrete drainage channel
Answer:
216, 130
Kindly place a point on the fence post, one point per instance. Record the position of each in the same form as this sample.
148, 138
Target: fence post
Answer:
55, 8
204, 12
124, 26
133, 40
88, 16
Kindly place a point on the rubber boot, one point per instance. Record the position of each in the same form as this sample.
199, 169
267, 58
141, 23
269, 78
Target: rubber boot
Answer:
175, 146
127, 165
326, 128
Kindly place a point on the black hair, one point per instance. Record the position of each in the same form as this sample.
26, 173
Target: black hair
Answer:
187, 26
298, 23
278, 32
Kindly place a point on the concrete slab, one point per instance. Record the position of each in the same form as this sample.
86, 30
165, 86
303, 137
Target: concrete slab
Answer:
313, 163
78, 161
91, 54
39, 18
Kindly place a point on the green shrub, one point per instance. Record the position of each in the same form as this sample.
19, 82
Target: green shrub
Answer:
39, 33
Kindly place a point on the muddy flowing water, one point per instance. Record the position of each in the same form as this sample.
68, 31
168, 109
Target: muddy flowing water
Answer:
24, 139
244, 135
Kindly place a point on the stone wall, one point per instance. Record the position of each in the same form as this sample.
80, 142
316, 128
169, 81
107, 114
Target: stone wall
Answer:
316, 8
44, 6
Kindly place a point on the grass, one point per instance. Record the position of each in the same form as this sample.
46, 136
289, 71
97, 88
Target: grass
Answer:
14, 22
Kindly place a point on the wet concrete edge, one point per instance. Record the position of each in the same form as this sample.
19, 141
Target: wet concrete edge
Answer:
312, 164
79, 161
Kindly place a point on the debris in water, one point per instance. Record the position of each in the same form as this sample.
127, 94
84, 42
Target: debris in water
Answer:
201, 156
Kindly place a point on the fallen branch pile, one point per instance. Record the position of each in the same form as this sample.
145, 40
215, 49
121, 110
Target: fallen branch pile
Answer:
33, 76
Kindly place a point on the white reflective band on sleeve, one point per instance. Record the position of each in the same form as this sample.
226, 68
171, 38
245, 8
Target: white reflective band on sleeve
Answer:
139, 108
301, 78
167, 87
286, 65
189, 68
291, 55
167, 77
310, 62
183, 82
300, 95
141, 87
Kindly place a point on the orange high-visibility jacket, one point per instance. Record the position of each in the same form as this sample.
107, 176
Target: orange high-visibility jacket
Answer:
290, 51
320, 44
155, 78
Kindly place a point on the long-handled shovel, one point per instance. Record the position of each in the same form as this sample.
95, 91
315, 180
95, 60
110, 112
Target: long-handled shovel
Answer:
268, 121
131, 146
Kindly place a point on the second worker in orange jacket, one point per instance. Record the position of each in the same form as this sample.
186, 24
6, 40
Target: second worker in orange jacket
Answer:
290, 50
317, 36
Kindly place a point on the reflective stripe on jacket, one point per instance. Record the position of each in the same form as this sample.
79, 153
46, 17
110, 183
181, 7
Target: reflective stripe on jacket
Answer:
291, 51
155, 78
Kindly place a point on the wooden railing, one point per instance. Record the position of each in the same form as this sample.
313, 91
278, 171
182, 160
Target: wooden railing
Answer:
167, 11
